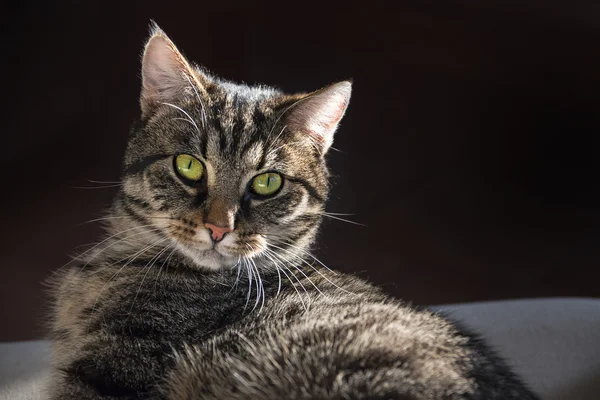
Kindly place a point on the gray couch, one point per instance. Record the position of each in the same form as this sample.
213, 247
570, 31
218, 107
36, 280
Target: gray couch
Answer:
553, 343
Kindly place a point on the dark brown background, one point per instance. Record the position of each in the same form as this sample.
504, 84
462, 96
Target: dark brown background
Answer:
469, 149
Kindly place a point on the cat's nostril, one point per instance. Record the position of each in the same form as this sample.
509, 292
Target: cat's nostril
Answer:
217, 233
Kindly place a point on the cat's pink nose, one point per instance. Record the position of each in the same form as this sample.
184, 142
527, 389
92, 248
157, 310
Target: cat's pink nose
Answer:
217, 233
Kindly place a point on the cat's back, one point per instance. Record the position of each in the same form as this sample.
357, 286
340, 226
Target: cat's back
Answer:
337, 344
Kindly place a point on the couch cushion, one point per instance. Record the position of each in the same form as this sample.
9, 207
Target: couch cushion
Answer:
554, 344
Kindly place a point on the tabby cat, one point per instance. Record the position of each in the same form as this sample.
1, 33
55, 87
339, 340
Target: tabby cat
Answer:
204, 287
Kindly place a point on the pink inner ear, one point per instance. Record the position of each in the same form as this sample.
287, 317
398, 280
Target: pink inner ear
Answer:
165, 72
336, 114
161, 70
318, 114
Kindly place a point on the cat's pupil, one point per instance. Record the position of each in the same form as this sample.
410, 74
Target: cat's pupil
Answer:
190, 165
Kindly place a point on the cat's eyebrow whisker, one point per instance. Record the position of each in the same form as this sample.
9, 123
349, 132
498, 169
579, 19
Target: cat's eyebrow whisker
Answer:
186, 120
271, 151
199, 99
284, 145
280, 133
185, 113
294, 104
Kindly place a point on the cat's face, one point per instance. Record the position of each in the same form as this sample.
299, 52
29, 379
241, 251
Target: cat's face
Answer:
226, 172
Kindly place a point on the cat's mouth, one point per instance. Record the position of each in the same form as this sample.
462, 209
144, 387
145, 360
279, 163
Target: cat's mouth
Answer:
222, 254
198, 245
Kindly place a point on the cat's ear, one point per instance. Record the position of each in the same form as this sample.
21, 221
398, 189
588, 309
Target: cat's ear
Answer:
319, 113
166, 74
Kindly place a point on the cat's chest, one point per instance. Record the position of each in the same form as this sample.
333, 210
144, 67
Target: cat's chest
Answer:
178, 308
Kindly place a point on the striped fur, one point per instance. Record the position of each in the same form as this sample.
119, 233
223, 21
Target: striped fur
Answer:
157, 311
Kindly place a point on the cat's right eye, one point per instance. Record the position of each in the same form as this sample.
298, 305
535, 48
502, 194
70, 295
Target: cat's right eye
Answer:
189, 167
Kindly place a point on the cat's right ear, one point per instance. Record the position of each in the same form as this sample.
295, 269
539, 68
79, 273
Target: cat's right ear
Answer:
166, 75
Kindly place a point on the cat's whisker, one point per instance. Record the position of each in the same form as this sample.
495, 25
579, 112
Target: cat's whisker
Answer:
147, 267
237, 278
258, 280
173, 247
294, 275
137, 254
78, 257
333, 216
333, 213
292, 282
95, 187
115, 235
105, 182
311, 266
266, 254
124, 217
170, 256
125, 239
261, 293
249, 273
187, 285
302, 272
308, 253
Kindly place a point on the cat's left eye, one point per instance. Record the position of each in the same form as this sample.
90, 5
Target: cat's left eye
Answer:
189, 167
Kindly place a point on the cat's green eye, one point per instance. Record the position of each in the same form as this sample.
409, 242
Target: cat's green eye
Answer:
189, 167
266, 184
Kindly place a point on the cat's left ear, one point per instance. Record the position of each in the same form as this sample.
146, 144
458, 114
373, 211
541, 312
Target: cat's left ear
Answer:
166, 74
319, 113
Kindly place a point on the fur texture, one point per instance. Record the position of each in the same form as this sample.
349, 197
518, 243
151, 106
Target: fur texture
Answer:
159, 310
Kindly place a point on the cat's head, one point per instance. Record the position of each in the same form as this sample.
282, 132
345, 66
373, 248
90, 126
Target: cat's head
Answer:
219, 172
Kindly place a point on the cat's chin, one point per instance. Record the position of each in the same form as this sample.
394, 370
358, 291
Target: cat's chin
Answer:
210, 259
